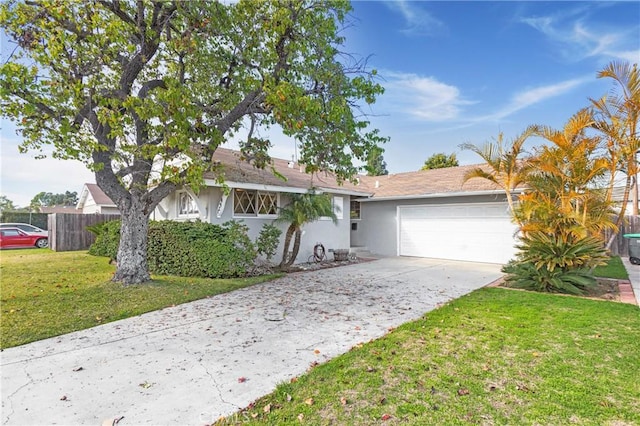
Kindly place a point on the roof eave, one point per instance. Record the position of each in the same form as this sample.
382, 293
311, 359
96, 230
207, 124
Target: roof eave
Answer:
281, 188
440, 195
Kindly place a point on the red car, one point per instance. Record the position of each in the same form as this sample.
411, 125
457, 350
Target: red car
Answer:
15, 238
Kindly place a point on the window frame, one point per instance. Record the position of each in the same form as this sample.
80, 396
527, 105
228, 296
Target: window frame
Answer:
193, 213
351, 210
256, 204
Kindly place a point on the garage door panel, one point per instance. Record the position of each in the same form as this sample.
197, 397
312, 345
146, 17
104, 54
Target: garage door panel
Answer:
482, 233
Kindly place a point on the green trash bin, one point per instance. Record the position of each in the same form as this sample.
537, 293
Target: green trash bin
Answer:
634, 248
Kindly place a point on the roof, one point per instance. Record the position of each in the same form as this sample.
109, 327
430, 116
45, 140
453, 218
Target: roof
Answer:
444, 181
60, 209
98, 196
238, 171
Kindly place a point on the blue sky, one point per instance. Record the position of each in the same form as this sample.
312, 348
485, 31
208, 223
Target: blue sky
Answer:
454, 72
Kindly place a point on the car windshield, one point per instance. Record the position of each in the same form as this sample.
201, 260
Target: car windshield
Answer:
22, 226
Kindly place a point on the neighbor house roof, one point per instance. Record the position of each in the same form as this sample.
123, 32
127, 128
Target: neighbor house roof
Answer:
60, 209
99, 197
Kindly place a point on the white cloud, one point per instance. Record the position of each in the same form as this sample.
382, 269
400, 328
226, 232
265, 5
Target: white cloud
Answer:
536, 95
419, 21
422, 97
23, 176
579, 39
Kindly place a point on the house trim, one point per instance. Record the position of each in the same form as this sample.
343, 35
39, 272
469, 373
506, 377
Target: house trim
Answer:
438, 195
278, 188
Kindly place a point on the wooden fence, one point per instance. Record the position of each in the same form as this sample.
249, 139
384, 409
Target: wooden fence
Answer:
68, 232
620, 244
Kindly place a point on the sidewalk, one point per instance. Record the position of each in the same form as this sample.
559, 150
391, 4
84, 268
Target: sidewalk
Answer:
634, 277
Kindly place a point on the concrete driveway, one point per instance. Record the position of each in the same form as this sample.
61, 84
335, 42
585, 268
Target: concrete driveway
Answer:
183, 365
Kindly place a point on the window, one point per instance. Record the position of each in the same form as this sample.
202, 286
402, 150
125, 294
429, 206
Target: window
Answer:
186, 205
355, 210
337, 207
254, 203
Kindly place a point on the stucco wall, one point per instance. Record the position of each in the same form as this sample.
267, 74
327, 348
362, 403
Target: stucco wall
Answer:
377, 227
323, 231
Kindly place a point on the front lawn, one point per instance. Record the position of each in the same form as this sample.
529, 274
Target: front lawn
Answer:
496, 356
613, 269
46, 293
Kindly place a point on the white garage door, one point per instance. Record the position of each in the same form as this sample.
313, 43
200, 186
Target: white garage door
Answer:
473, 232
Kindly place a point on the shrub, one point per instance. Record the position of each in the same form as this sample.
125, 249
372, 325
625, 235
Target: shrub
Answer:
107, 239
188, 249
526, 276
556, 264
267, 241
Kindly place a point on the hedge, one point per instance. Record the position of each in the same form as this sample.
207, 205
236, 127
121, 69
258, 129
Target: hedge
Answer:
36, 219
187, 249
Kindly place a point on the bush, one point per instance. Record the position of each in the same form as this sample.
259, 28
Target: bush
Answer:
188, 249
267, 241
107, 239
555, 263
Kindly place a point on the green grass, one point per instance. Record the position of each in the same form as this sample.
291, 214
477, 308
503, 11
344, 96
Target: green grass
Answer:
613, 269
496, 356
44, 293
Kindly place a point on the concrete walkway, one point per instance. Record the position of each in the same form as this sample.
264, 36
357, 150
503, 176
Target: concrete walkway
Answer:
634, 277
193, 363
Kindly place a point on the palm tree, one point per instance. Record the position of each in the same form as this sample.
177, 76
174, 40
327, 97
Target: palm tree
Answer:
303, 209
562, 198
618, 115
506, 167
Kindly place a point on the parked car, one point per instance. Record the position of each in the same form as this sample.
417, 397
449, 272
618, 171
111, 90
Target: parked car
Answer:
15, 238
29, 229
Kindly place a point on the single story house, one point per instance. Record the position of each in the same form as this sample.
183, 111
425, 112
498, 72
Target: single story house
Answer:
431, 213
93, 200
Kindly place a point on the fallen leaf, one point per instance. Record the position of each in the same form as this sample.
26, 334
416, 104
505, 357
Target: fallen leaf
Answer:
145, 385
343, 401
254, 415
242, 379
357, 328
385, 417
267, 408
309, 401
463, 391
294, 379
317, 351
300, 416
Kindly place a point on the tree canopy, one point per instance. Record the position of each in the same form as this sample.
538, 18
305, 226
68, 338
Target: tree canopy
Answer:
6, 203
143, 92
376, 166
440, 161
49, 199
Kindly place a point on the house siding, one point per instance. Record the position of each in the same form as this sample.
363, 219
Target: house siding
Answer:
377, 227
322, 231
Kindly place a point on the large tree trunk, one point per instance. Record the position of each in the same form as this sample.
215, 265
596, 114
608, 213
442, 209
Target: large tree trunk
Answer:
132, 266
